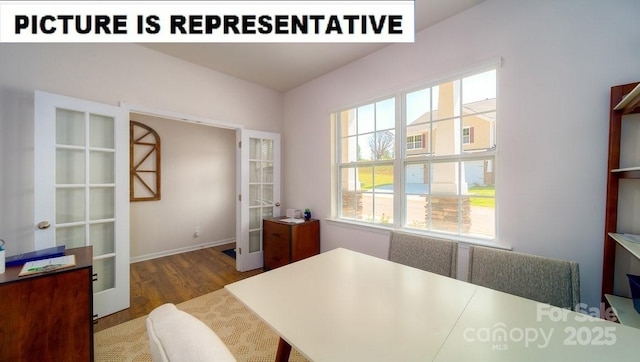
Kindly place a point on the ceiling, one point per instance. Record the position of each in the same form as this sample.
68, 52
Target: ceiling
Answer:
284, 66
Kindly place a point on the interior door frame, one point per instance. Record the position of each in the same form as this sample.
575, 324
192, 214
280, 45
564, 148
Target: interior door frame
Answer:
181, 117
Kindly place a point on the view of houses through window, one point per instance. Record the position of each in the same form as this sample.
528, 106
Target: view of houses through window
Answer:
441, 177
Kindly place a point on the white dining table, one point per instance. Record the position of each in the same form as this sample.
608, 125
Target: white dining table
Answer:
343, 305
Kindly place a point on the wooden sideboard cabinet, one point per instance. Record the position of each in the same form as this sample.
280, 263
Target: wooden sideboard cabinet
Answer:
284, 242
48, 316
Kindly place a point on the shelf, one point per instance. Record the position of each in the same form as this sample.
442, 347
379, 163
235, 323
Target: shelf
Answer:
627, 172
630, 102
633, 248
623, 308
626, 169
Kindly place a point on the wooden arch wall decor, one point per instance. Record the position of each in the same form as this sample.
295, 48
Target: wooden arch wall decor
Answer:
144, 161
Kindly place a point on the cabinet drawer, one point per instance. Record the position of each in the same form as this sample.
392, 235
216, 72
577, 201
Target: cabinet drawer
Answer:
276, 248
274, 230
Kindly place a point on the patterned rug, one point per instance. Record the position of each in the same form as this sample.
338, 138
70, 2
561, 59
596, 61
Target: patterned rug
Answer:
246, 336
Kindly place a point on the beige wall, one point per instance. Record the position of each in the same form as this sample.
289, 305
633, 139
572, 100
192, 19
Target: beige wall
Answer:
198, 190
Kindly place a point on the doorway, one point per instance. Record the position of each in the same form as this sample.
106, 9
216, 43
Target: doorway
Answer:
198, 183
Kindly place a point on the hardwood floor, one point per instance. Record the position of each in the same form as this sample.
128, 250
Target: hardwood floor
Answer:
175, 279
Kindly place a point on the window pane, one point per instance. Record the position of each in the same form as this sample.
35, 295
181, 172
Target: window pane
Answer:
383, 194
481, 132
442, 213
366, 119
348, 125
479, 87
386, 114
418, 106
366, 146
446, 137
418, 140
349, 150
383, 145
479, 176
349, 192
446, 100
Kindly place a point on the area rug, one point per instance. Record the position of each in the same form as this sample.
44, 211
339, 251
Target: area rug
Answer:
247, 337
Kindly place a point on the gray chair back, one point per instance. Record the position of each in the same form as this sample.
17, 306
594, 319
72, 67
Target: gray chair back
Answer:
434, 255
546, 280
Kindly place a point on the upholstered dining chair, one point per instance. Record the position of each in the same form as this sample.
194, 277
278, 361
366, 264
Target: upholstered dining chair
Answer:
546, 280
434, 255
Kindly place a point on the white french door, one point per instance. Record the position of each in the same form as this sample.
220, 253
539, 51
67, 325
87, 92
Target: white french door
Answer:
259, 184
82, 188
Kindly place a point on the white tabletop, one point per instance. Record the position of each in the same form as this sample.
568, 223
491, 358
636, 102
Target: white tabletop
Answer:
347, 306
497, 326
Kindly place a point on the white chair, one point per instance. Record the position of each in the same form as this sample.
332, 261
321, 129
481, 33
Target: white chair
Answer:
175, 335
434, 255
546, 280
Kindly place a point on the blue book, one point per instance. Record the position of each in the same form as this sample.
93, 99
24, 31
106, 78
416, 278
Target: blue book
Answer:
20, 259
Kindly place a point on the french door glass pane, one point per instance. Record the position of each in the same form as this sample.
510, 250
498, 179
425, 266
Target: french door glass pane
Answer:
267, 212
70, 128
101, 205
105, 269
69, 166
254, 195
70, 236
255, 218
69, 205
101, 167
254, 171
102, 237
267, 194
101, 129
267, 172
260, 189
255, 241
266, 150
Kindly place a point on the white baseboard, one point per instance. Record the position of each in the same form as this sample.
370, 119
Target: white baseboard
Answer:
160, 254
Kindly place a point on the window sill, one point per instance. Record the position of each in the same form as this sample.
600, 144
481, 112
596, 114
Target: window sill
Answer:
386, 229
